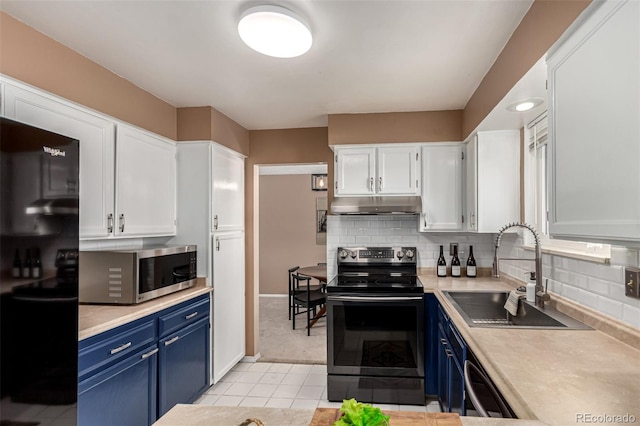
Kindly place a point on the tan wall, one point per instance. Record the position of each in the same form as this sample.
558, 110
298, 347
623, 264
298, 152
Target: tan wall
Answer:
287, 146
34, 58
287, 229
543, 24
423, 126
207, 123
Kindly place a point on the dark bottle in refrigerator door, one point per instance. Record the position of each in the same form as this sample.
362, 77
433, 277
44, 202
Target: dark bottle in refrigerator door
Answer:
26, 266
16, 268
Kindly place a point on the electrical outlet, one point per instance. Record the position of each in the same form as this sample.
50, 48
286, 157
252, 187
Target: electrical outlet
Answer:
632, 282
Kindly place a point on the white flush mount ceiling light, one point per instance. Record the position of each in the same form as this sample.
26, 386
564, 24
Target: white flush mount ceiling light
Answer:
525, 105
274, 31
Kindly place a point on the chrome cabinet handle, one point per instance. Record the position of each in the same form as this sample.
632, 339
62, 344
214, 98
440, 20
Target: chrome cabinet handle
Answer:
443, 341
121, 219
169, 342
215, 222
110, 223
217, 244
120, 348
380, 183
371, 184
148, 354
191, 315
449, 353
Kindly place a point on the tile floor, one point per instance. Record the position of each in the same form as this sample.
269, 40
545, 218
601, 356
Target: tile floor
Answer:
275, 385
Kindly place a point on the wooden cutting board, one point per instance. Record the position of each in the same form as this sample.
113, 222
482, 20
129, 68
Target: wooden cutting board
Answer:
327, 416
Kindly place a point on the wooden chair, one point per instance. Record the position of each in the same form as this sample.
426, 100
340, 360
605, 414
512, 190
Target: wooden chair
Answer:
295, 287
308, 299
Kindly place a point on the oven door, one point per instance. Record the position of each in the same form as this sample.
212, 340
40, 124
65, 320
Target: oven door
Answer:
375, 335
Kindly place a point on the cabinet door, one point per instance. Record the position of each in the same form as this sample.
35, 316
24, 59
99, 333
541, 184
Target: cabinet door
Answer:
145, 184
96, 137
441, 188
228, 302
228, 191
594, 83
397, 169
444, 365
124, 394
355, 171
456, 388
471, 184
183, 372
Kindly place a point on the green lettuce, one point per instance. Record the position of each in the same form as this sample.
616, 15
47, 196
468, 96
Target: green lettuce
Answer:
358, 414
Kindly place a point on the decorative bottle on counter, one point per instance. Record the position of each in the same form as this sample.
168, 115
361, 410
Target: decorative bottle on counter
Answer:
471, 264
455, 263
442, 264
16, 268
36, 267
26, 266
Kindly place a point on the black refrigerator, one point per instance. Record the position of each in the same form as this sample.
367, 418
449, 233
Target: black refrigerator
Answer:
39, 229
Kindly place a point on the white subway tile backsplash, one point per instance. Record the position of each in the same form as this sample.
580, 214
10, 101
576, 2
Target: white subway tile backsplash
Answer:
588, 299
631, 315
610, 307
598, 286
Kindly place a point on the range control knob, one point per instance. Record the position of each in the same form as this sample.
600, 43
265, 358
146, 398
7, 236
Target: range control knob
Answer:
400, 254
353, 254
410, 254
343, 254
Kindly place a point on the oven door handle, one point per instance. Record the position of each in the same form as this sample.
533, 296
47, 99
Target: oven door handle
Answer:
372, 298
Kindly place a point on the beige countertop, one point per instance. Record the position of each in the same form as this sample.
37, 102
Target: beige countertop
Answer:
554, 376
95, 319
205, 415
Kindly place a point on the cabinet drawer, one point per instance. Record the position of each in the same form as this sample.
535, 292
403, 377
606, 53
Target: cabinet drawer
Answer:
109, 347
183, 316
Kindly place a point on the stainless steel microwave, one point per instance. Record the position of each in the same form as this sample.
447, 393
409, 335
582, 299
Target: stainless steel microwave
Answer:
130, 276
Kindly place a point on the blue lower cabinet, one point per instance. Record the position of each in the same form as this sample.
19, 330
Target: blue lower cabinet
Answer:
133, 374
451, 354
184, 368
123, 394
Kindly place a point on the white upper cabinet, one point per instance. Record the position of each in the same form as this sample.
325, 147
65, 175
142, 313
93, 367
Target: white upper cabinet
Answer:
96, 136
145, 183
133, 195
377, 170
228, 190
492, 164
594, 84
441, 187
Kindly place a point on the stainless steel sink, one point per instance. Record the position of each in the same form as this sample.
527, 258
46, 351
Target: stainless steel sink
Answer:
486, 309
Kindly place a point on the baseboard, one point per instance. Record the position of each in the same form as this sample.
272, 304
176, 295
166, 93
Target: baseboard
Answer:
253, 358
274, 295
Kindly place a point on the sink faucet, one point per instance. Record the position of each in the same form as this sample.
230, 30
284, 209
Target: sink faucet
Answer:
541, 293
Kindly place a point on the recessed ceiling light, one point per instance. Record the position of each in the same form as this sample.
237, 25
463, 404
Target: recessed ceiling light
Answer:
525, 104
274, 31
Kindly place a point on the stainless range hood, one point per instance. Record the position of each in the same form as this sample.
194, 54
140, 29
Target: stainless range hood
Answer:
377, 205
54, 206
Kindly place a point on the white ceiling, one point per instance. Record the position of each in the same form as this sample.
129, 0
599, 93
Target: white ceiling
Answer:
367, 55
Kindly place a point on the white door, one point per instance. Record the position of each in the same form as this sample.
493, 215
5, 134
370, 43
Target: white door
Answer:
228, 191
441, 188
145, 183
355, 171
397, 170
97, 153
228, 302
